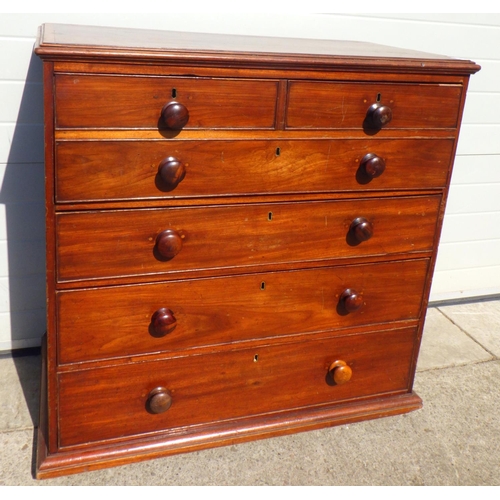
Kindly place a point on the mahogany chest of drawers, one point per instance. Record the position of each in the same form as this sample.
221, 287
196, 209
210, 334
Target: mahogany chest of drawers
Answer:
241, 234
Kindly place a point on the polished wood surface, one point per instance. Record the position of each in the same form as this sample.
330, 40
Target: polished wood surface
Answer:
340, 372
241, 233
327, 105
134, 102
159, 400
378, 116
229, 385
175, 115
162, 323
372, 166
131, 320
107, 244
95, 43
171, 172
125, 169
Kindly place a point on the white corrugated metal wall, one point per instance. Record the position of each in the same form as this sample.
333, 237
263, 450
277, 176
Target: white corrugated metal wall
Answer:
469, 254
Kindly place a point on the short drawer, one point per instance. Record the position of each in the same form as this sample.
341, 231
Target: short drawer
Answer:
110, 322
121, 102
118, 402
338, 105
121, 243
121, 170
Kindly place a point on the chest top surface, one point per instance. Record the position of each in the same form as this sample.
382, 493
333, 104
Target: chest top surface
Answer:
63, 41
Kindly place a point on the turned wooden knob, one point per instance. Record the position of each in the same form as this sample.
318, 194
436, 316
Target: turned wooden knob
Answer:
351, 300
361, 228
340, 372
372, 165
159, 400
379, 115
171, 172
175, 115
162, 322
168, 243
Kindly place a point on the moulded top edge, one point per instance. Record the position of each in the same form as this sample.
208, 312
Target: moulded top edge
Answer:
74, 42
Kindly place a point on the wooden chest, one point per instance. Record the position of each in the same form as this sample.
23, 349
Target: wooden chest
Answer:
241, 234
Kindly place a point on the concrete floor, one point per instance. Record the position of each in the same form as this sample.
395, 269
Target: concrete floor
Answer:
453, 440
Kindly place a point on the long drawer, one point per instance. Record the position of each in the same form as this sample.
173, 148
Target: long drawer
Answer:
107, 243
118, 402
111, 170
344, 105
106, 101
122, 321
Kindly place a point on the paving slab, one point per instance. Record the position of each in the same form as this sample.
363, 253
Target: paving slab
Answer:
453, 440
444, 344
19, 391
481, 320
16, 455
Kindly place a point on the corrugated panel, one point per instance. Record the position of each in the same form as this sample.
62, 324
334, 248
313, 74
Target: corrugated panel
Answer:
22, 183
4, 259
20, 222
468, 255
479, 139
19, 330
482, 108
480, 227
477, 169
490, 19
21, 143
465, 283
473, 198
21, 102
17, 61
487, 79
23, 294
467, 263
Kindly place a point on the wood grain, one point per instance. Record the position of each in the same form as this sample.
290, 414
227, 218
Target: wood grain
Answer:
344, 105
110, 402
117, 321
108, 44
113, 170
101, 101
106, 244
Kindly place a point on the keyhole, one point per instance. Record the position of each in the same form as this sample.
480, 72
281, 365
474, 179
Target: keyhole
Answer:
174, 93
270, 216
379, 96
256, 358
278, 151
263, 285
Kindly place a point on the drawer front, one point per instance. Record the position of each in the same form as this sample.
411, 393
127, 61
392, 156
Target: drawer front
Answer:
105, 244
98, 101
91, 171
112, 402
121, 321
329, 105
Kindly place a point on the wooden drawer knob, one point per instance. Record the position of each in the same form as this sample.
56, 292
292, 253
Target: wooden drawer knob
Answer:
171, 172
163, 322
168, 243
159, 400
379, 115
175, 115
351, 300
340, 372
372, 165
361, 229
